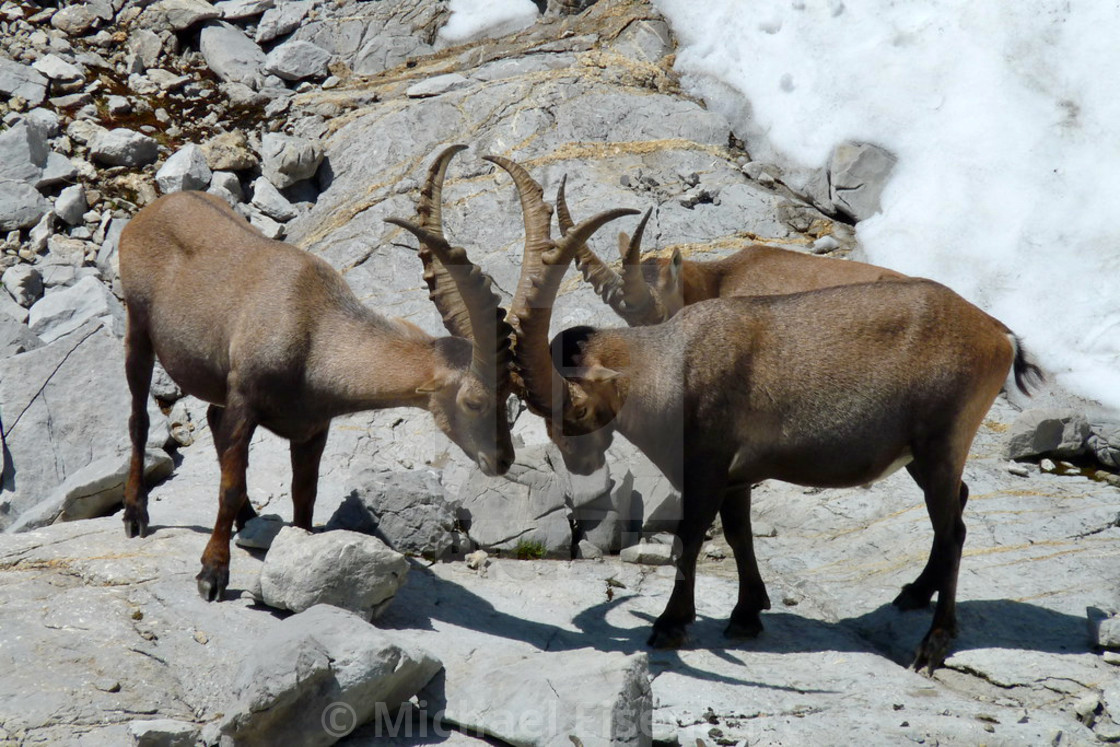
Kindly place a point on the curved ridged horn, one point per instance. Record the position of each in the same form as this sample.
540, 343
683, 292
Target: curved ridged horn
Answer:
429, 212
638, 304
595, 271
535, 379
486, 317
628, 294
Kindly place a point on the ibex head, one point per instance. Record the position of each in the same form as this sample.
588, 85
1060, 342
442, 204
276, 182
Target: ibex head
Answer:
467, 393
577, 398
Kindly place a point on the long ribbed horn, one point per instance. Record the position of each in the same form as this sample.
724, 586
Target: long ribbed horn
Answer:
429, 212
628, 294
543, 386
595, 271
534, 378
492, 358
638, 304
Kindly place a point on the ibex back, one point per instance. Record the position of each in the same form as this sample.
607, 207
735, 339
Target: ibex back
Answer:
272, 336
653, 289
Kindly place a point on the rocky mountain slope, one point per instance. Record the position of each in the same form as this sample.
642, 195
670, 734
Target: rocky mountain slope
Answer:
318, 120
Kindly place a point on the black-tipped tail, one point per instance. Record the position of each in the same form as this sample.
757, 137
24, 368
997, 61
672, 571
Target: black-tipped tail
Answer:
1026, 372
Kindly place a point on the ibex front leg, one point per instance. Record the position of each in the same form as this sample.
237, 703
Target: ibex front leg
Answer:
138, 364
232, 439
703, 493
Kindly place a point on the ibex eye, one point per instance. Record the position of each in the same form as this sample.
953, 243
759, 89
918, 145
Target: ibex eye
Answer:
473, 405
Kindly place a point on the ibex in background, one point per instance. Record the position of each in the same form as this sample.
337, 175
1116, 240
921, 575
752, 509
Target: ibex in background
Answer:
651, 290
829, 388
273, 336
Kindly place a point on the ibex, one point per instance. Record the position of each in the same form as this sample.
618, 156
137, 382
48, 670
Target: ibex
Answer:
273, 336
651, 290
828, 388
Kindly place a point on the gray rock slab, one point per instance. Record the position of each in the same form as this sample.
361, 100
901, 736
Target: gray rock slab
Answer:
123, 147
23, 81
58, 69
282, 19
58, 170
1047, 432
436, 85
71, 205
179, 15
286, 159
858, 172
23, 151
297, 60
21, 205
63, 311
320, 674
527, 509
161, 651
269, 201
407, 510
545, 698
231, 54
342, 568
75, 20
163, 733
15, 337
24, 284
94, 490
186, 169
236, 9
52, 426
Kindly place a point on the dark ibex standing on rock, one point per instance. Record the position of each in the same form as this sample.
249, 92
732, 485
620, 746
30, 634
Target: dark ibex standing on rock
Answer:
827, 388
651, 290
273, 336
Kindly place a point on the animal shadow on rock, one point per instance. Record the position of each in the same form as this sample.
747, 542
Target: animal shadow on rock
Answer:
427, 598
983, 624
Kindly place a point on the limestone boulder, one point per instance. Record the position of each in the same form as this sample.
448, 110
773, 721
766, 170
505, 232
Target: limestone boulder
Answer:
342, 568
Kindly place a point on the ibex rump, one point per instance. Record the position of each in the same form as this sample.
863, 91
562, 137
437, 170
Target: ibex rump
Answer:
826, 388
273, 336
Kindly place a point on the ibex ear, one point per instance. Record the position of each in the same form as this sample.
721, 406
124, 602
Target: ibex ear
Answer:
432, 385
597, 373
675, 263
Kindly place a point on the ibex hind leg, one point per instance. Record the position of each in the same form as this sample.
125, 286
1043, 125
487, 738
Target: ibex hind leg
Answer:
746, 621
945, 496
918, 594
214, 419
232, 438
139, 362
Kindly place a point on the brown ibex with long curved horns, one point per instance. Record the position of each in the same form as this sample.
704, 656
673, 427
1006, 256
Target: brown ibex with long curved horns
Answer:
273, 336
826, 388
652, 289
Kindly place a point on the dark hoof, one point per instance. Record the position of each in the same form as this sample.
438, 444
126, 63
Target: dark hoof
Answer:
669, 636
933, 650
212, 583
912, 599
743, 629
135, 525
